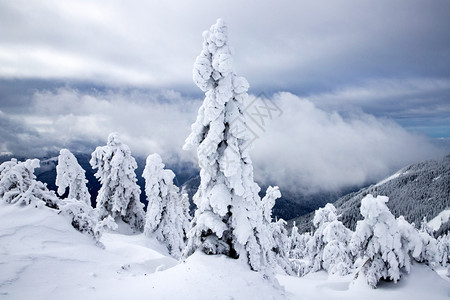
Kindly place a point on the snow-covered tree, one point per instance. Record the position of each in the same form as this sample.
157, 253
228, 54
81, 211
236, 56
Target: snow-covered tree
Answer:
383, 244
18, 184
228, 219
421, 245
322, 217
281, 245
413, 244
275, 235
328, 246
168, 211
424, 227
70, 174
119, 195
84, 218
430, 251
443, 244
6, 166
337, 257
298, 243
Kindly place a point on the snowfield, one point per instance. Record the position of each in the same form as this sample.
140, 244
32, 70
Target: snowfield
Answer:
440, 219
43, 257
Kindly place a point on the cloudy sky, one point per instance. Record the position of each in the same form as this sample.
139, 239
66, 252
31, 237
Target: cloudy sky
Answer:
362, 87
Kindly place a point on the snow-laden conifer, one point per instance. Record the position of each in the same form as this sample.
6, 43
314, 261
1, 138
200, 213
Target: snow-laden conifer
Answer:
443, 245
69, 174
275, 236
328, 246
119, 195
298, 243
418, 243
18, 184
228, 219
383, 244
167, 211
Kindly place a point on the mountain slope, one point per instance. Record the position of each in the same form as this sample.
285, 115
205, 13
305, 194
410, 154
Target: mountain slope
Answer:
416, 191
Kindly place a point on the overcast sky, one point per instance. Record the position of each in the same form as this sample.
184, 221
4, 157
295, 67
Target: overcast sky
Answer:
363, 86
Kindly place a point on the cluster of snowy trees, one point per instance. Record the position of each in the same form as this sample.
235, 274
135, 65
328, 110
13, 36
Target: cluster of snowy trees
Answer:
118, 199
381, 247
231, 218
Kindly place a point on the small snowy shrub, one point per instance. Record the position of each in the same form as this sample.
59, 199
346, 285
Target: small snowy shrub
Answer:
84, 218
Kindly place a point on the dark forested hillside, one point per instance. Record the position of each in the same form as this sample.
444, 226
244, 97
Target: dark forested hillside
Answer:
417, 191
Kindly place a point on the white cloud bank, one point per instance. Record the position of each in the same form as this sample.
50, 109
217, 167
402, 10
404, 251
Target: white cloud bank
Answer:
306, 147
313, 149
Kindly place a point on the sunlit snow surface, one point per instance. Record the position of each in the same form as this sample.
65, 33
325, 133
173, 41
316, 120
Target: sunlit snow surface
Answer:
43, 257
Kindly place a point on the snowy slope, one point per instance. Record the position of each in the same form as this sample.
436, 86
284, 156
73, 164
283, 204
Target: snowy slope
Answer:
442, 218
43, 257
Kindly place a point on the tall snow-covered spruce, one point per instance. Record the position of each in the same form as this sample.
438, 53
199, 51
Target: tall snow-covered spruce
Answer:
168, 210
229, 218
119, 194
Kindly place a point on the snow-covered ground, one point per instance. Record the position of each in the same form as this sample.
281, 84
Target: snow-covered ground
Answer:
440, 219
43, 257
396, 175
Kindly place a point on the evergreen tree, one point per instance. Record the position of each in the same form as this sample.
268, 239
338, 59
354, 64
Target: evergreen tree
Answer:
275, 235
299, 251
424, 227
337, 256
443, 244
298, 243
328, 246
429, 253
119, 194
383, 244
70, 174
18, 184
228, 219
168, 211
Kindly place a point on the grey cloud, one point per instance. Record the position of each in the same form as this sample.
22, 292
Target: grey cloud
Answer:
20, 139
419, 104
306, 147
284, 45
70, 118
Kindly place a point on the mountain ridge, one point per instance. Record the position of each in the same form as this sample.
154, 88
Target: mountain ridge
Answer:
416, 191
